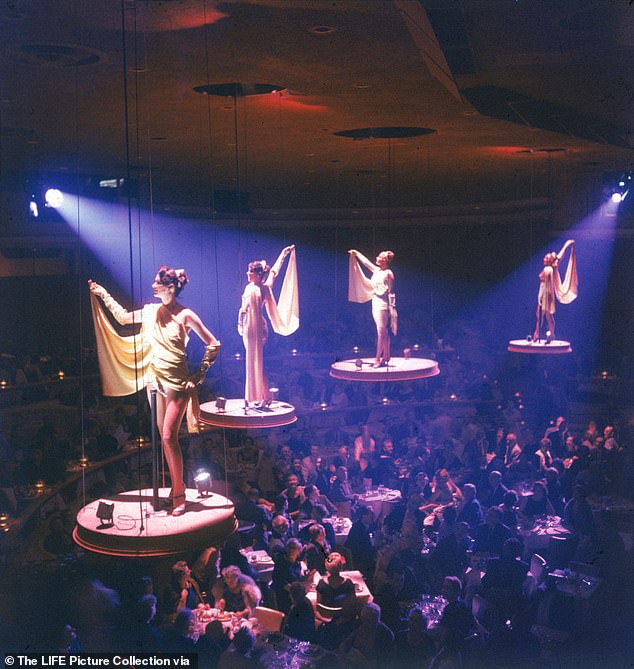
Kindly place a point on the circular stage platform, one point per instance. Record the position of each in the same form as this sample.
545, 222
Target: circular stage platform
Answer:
556, 347
139, 531
234, 415
398, 369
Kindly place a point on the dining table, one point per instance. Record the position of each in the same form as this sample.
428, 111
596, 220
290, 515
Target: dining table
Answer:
261, 562
381, 500
364, 596
538, 534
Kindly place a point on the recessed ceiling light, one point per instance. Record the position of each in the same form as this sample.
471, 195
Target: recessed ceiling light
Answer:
322, 30
387, 132
238, 89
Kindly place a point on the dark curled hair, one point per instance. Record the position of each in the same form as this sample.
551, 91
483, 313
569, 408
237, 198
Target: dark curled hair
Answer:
259, 267
168, 276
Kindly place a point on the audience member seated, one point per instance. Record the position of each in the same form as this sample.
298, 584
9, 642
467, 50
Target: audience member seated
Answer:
537, 504
553, 485
578, 513
414, 647
470, 510
456, 616
300, 619
211, 645
178, 637
333, 590
495, 490
279, 536
250, 510
287, 570
492, 533
183, 591
313, 496
237, 592
450, 558
359, 543
370, 645
444, 491
294, 494
509, 510
503, 584
316, 552
239, 655
340, 490
543, 457
144, 637
448, 523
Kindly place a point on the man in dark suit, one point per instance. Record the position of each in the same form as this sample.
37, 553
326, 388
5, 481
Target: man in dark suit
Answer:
492, 533
503, 583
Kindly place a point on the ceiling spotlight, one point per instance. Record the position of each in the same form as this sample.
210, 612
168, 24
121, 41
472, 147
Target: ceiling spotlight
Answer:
617, 197
53, 198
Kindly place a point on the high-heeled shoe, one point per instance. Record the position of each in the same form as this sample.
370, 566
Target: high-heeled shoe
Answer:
180, 504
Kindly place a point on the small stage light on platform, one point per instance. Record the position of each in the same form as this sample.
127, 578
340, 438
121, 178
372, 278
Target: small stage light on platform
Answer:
105, 513
39, 487
453, 397
529, 337
604, 375
358, 363
83, 462
203, 483
323, 406
60, 375
237, 356
3, 384
274, 393
294, 352
221, 404
416, 348
385, 401
355, 350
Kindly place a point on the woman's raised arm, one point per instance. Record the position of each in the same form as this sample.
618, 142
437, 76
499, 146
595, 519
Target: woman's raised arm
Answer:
121, 315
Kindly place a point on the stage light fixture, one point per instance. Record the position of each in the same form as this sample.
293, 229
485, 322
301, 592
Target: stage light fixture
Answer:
203, 483
105, 513
54, 198
616, 186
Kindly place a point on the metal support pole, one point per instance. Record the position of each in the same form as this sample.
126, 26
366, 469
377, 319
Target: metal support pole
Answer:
155, 452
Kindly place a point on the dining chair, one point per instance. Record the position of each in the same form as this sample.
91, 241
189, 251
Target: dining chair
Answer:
270, 619
344, 509
328, 612
538, 568
478, 606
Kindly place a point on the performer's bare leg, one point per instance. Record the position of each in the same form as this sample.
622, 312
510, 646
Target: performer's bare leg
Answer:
538, 317
550, 321
170, 411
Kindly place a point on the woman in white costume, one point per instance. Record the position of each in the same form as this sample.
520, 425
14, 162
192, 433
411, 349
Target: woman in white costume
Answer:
380, 289
156, 358
552, 289
252, 327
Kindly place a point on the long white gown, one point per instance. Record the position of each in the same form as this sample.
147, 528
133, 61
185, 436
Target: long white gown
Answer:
252, 326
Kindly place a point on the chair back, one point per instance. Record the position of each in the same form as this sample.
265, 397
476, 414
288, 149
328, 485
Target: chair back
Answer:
538, 568
328, 612
344, 509
478, 606
270, 619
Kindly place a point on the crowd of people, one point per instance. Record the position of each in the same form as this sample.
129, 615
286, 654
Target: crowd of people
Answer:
468, 496
475, 456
